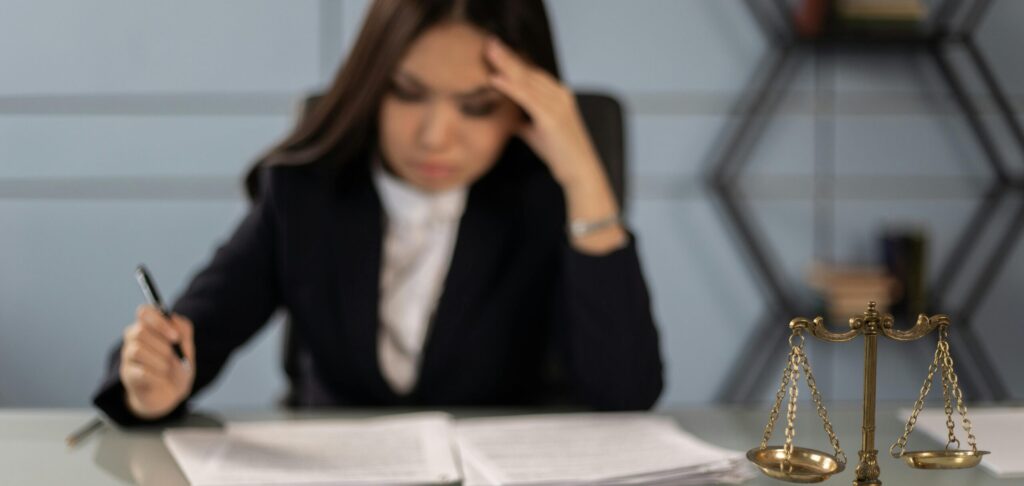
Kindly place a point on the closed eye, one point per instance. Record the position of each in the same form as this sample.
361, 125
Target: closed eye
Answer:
406, 94
479, 108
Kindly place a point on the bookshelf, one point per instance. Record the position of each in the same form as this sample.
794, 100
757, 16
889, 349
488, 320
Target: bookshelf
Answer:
805, 28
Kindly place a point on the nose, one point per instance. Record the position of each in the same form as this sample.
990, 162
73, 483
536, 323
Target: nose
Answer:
438, 126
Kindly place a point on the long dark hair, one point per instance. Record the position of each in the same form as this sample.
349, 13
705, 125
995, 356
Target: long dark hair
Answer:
342, 124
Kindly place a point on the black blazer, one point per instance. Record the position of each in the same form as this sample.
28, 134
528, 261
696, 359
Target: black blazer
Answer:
516, 294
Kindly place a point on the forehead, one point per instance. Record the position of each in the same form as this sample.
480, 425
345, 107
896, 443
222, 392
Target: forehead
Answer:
448, 57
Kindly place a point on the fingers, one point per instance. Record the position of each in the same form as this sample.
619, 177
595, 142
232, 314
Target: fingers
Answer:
140, 376
512, 75
534, 89
155, 379
155, 334
149, 394
145, 368
152, 318
147, 358
516, 92
504, 61
138, 333
136, 377
509, 65
185, 329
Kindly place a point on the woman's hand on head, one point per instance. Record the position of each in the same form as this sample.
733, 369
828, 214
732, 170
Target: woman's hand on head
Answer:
556, 131
558, 135
155, 380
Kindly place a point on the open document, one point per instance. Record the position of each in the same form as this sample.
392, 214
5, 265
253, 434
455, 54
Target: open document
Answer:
426, 448
396, 450
998, 430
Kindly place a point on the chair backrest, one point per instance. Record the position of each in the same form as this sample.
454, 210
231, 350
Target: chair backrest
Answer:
602, 114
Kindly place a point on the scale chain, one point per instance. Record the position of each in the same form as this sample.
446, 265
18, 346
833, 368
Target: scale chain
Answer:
796, 360
955, 385
947, 395
943, 362
901, 443
794, 366
774, 416
822, 412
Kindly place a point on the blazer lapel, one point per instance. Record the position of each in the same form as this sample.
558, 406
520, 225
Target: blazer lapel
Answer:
476, 259
358, 234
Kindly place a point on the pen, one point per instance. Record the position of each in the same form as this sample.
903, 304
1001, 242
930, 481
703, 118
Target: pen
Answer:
83, 432
153, 298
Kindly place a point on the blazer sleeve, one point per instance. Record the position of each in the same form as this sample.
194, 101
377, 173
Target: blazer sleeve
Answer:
609, 337
228, 302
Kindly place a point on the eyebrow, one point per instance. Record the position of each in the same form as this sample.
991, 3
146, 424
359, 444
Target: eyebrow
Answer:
473, 93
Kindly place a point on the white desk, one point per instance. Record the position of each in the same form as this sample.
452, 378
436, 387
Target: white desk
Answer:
32, 449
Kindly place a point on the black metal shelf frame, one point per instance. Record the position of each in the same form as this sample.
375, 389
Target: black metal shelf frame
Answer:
982, 380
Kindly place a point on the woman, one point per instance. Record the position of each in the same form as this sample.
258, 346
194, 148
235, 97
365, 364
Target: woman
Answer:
437, 227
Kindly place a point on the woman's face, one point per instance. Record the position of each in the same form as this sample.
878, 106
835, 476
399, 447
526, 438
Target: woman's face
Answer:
442, 125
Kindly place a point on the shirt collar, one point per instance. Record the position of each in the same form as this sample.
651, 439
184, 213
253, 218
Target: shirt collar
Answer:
404, 203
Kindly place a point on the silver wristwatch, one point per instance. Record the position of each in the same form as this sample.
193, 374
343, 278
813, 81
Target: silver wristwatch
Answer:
580, 227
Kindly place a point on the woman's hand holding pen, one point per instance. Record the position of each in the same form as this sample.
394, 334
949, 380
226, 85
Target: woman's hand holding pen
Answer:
155, 380
558, 135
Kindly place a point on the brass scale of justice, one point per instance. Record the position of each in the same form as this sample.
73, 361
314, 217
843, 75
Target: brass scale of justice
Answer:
802, 465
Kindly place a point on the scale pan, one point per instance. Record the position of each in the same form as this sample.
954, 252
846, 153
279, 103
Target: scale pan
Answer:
942, 459
805, 465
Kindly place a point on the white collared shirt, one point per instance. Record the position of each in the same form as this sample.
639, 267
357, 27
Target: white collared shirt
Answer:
419, 239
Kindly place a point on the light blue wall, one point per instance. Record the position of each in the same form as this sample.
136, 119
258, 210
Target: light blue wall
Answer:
125, 128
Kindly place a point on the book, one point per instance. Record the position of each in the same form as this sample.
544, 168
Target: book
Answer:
911, 11
847, 289
881, 16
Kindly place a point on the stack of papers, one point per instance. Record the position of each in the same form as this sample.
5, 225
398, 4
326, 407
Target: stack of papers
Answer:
433, 448
997, 430
591, 449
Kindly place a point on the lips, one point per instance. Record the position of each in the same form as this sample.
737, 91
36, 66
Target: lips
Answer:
433, 169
